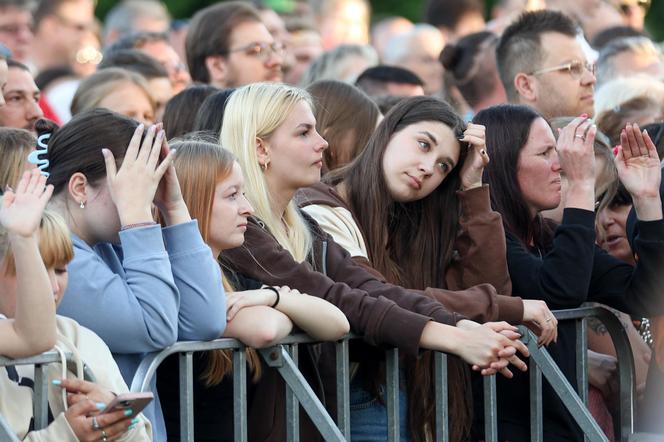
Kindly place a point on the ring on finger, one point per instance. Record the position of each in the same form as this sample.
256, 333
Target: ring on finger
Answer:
104, 436
581, 137
549, 319
95, 424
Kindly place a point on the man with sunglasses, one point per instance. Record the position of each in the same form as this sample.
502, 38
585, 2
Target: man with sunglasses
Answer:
228, 46
542, 64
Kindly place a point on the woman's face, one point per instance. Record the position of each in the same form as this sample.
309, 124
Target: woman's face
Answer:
538, 169
230, 210
57, 276
613, 220
100, 218
295, 150
131, 101
418, 158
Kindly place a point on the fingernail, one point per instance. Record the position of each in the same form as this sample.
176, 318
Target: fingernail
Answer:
141, 126
104, 152
128, 412
131, 427
174, 151
100, 405
615, 151
584, 115
56, 382
135, 420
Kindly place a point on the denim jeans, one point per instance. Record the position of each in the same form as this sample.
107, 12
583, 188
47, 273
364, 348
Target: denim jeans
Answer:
368, 416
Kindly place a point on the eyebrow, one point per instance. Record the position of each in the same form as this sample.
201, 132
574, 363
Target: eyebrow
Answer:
430, 135
304, 125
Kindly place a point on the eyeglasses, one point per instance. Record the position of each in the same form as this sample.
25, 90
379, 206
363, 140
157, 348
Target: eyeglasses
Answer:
625, 5
262, 51
574, 68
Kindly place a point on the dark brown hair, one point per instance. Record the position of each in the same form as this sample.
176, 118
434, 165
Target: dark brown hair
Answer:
210, 32
342, 111
181, 109
507, 130
411, 243
210, 115
76, 146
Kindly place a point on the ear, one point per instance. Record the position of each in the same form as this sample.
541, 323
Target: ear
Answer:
526, 86
78, 188
262, 152
216, 67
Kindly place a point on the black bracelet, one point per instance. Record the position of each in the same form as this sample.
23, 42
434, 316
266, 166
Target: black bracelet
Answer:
267, 287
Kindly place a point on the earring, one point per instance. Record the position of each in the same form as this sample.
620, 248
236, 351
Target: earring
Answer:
82, 205
264, 165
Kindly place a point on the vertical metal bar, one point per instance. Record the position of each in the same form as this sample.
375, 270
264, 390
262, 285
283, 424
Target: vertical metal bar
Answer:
582, 360
442, 401
490, 415
392, 384
292, 405
40, 402
536, 418
186, 396
240, 395
343, 388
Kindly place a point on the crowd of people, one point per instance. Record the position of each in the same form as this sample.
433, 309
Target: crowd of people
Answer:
263, 168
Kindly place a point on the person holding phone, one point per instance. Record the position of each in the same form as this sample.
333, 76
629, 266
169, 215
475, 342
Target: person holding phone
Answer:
74, 404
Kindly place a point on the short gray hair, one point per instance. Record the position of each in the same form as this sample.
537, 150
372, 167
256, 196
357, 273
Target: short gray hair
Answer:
606, 70
398, 47
331, 64
122, 17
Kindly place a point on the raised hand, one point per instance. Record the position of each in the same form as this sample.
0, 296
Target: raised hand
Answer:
168, 197
639, 170
477, 159
577, 160
21, 210
537, 313
133, 186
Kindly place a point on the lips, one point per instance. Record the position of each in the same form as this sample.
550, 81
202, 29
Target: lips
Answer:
413, 182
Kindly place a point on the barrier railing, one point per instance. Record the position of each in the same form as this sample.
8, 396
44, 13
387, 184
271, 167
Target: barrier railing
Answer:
284, 358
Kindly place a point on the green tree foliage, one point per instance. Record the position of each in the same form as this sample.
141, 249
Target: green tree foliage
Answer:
411, 9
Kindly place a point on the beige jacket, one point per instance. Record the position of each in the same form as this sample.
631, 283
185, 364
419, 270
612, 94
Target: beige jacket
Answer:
17, 391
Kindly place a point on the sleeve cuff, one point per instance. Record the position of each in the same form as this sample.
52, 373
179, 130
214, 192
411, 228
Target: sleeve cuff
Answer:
404, 329
651, 230
474, 201
183, 237
579, 216
510, 309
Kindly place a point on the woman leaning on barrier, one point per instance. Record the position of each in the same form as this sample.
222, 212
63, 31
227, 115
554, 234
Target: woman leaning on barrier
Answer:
561, 264
42, 253
213, 188
397, 209
272, 131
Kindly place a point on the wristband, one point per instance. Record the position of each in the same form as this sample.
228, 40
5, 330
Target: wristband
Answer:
267, 287
133, 226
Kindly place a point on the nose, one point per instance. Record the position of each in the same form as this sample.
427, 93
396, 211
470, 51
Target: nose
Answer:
275, 59
588, 77
605, 219
323, 143
245, 207
555, 163
34, 112
55, 285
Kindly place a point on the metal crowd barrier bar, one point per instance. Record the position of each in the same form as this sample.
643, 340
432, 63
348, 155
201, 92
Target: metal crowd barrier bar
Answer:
625, 426
6, 433
284, 356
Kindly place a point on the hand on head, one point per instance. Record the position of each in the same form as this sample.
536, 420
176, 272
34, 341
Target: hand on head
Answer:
477, 159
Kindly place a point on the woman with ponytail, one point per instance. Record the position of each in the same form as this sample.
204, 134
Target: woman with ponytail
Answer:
138, 285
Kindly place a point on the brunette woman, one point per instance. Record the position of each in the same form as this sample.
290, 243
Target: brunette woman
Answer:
562, 264
396, 210
213, 188
272, 131
138, 285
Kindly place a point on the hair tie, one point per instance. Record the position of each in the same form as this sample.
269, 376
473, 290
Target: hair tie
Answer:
42, 149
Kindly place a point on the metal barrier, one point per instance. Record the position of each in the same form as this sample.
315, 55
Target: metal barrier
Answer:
284, 357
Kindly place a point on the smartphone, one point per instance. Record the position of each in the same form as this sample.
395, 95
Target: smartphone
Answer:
134, 401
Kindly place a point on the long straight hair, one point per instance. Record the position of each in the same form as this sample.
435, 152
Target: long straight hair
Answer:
411, 244
256, 111
507, 131
200, 166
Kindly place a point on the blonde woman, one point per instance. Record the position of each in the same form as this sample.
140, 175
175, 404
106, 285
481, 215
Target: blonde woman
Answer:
118, 90
272, 131
213, 188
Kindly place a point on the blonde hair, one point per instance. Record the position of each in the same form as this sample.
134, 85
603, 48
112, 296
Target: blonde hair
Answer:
55, 244
200, 166
15, 145
101, 84
256, 111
